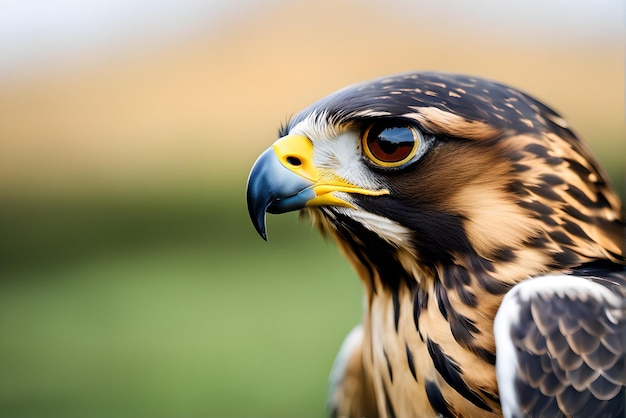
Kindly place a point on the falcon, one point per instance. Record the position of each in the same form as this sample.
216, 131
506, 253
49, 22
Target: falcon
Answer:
488, 240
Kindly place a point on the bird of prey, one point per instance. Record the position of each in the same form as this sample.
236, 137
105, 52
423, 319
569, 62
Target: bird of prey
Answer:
488, 240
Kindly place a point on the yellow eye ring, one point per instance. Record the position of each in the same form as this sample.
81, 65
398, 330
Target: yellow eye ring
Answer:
390, 146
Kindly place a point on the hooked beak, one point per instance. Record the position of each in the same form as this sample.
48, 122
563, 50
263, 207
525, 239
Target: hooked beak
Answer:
284, 178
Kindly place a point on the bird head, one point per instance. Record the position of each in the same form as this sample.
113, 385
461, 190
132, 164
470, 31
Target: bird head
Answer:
431, 169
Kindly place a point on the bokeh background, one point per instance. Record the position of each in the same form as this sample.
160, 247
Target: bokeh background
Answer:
132, 283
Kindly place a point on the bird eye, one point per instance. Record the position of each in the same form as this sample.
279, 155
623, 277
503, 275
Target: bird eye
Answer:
390, 146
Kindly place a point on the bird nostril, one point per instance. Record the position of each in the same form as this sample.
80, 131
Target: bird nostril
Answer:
294, 161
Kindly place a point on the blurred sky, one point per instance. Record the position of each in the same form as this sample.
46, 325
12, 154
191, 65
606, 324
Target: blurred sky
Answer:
138, 91
62, 32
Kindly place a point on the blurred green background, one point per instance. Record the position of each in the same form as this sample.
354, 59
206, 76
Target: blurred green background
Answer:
131, 281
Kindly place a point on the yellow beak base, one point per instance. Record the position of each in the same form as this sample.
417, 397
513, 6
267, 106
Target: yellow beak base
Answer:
295, 152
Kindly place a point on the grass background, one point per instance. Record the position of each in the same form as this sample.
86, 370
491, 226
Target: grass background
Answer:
132, 283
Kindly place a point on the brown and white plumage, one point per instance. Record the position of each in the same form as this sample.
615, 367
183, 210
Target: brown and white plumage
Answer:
449, 194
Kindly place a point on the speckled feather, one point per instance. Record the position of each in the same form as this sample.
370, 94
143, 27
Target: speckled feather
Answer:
505, 192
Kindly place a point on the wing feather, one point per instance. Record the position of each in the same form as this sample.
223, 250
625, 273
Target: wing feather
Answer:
561, 347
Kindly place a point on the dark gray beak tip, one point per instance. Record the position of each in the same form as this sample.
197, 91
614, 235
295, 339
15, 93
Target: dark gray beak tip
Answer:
257, 203
259, 224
